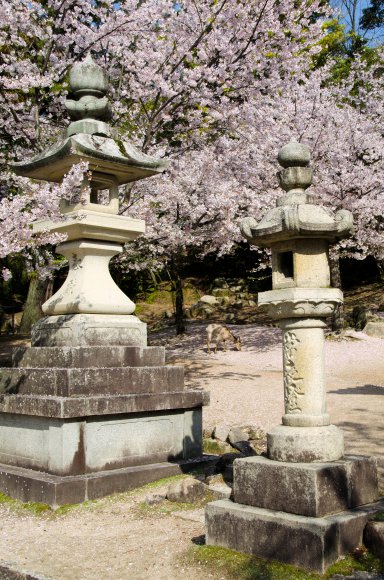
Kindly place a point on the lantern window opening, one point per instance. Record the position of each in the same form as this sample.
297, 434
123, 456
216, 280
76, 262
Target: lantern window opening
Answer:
100, 196
285, 264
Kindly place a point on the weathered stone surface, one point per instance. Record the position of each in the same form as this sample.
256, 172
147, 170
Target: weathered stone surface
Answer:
315, 489
85, 445
91, 381
85, 357
72, 407
313, 543
186, 490
305, 444
89, 330
220, 490
237, 434
239, 439
221, 431
200, 309
208, 299
374, 538
375, 329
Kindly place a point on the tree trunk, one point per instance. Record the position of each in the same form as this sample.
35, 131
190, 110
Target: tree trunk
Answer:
39, 291
177, 288
338, 316
380, 266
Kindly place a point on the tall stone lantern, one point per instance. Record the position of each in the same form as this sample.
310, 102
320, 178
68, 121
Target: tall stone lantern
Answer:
90, 409
299, 232
305, 502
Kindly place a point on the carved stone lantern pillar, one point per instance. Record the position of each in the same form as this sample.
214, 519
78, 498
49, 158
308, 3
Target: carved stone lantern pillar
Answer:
299, 231
301, 503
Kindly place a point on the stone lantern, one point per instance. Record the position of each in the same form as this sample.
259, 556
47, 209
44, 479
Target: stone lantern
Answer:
302, 503
89, 309
299, 232
89, 409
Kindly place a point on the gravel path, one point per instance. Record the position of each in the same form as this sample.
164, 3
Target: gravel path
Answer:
115, 539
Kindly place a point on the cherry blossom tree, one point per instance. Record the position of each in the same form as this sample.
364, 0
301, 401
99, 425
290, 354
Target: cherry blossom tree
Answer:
217, 87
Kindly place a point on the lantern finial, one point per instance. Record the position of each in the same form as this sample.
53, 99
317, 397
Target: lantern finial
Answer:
88, 106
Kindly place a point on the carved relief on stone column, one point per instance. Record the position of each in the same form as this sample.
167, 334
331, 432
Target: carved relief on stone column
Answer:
293, 383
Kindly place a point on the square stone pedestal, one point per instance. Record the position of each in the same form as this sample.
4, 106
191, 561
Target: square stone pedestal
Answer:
302, 514
78, 423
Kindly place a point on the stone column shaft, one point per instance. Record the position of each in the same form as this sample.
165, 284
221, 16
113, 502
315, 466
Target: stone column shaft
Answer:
304, 384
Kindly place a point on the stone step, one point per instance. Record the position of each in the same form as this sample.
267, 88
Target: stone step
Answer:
29, 485
86, 357
307, 489
95, 405
307, 542
64, 382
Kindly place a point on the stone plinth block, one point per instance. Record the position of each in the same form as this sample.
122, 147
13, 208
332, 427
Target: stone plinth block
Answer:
305, 444
314, 489
90, 444
313, 543
64, 382
86, 224
72, 407
86, 357
89, 330
27, 485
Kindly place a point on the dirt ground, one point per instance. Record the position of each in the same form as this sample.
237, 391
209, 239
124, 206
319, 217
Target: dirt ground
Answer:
119, 538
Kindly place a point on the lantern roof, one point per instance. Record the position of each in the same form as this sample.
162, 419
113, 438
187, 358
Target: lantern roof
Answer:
297, 214
89, 137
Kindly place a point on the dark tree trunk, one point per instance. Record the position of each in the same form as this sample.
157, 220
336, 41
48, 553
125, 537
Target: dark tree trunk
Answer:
39, 291
177, 288
338, 316
380, 266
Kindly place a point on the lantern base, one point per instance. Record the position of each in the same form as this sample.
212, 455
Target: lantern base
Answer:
305, 444
89, 330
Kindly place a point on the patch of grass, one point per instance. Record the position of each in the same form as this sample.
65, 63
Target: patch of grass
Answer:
379, 517
69, 507
361, 560
30, 507
230, 564
244, 567
116, 497
159, 296
40, 509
